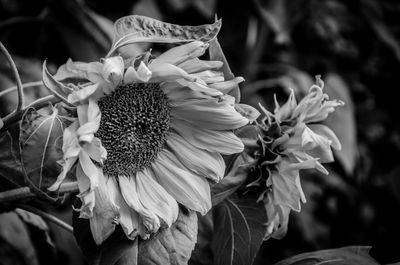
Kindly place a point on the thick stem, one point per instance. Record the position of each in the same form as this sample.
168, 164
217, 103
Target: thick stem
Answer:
20, 103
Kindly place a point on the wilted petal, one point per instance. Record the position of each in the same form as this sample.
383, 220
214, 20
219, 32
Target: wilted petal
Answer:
188, 189
210, 114
209, 76
68, 163
128, 218
196, 65
86, 193
113, 70
90, 169
105, 212
95, 150
142, 74
128, 186
82, 94
226, 86
317, 146
165, 72
206, 90
247, 111
89, 119
287, 109
201, 162
223, 142
154, 197
90, 71
181, 53
324, 131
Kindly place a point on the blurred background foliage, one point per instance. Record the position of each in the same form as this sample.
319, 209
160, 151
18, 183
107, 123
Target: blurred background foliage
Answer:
276, 45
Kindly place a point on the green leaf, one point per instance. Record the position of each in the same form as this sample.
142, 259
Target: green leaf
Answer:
40, 139
172, 245
217, 54
10, 165
236, 175
134, 29
239, 229
353, 255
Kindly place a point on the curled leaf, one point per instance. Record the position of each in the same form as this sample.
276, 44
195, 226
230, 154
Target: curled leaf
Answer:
134, 29
56, 87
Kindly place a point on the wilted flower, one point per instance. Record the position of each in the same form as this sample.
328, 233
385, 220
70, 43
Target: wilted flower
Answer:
292, 139
149, 134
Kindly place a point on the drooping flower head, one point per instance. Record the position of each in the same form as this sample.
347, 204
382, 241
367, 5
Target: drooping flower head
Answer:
148, 135
291, 139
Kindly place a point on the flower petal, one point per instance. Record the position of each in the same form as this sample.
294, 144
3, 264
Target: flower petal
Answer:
128, 186
226, 86
181, 53
201, 162
128, 218
164, 72
142, 74
196, 65
82, 94
90, 169
154, 197
89, 119
323, 130
210, 76
67, 165
105, 212
188, 189
209, 114
90, 71
86, 193
113, 70
95, 150
224, 142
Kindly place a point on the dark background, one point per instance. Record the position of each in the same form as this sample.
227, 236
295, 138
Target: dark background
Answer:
275, 45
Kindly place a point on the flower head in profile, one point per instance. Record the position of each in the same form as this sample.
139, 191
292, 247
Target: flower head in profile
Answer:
292, 139
148, 135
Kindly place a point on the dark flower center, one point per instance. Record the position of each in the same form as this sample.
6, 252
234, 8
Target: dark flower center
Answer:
133, 127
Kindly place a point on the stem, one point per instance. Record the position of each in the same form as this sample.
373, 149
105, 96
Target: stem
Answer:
25, 85
25, 192
48, 217
16, 116
16, 75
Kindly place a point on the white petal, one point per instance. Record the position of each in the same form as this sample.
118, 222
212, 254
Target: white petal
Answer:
188, 189
128, 188
68, 163
165, 72
95, 150
182, 53
224, 142
113, 70
128, 218
105, 212
196, 65
247, 111
210, 114
323, 130
210, 76
90, 71
90, 121
154, 197
86, 193
90, 169
82, 94
142, 74
226, 86
201, 162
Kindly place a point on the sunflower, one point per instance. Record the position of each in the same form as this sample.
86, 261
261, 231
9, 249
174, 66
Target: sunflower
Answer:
148, 135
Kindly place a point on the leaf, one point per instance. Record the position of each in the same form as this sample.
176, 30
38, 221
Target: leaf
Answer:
239, 229
342, 121
172, 245
217, 54
353, 255
15, 233
10, 166
202, 253
234, 178
133, 29
40, 136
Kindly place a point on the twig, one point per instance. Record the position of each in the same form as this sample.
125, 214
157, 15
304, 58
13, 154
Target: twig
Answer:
49, 217
15, 116
25, 192
25, 85
20, 103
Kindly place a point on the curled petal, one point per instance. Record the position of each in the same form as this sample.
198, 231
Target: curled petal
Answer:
165, 72
323, 130
67, 165
196, 65
209, 76
247, 111
181, 53
142, 74
227, 86
113, 70
95, 150
90, 71
82, 94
